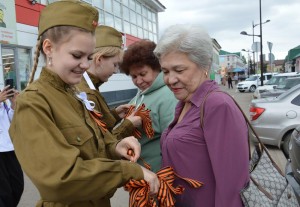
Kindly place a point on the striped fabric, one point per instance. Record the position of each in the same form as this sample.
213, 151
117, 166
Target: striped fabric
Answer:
139, 190
146, 120
97, 118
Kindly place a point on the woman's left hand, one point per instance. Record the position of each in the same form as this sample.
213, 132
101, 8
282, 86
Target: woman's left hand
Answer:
122, 110
129, 143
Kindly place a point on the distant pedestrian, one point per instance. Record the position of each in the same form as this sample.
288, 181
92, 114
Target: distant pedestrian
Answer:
229, 80
11, 175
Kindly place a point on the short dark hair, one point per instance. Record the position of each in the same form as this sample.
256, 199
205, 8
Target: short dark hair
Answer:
140, 54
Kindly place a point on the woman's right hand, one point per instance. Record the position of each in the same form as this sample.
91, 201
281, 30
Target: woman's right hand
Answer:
152, 179
135, 120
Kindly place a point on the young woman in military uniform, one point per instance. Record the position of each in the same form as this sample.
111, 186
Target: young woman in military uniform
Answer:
70, 159
106, 58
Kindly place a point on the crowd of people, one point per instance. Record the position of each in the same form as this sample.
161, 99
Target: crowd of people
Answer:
61, 132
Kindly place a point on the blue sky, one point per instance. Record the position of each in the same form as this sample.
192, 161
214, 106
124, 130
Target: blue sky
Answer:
225, 19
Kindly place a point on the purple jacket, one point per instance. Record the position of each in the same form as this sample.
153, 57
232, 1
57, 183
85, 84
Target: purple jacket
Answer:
216, 155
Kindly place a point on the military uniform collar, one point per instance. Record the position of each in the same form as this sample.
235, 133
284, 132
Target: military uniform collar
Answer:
51, 77
97, 83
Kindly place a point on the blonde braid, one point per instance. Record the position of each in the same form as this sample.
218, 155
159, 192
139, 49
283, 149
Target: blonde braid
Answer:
36, 60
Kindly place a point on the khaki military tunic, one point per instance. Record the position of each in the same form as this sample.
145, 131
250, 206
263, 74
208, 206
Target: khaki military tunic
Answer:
110, 117
68, 158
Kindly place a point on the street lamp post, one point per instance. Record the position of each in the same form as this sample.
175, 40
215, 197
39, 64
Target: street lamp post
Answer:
261, 47
260, 36
254, 25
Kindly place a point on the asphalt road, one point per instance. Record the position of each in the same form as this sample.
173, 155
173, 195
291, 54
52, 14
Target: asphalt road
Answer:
120, 199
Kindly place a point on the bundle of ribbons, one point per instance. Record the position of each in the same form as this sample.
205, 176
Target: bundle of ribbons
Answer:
139, 190
146, 120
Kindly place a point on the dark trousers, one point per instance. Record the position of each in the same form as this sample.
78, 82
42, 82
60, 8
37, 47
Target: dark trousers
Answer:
11, 180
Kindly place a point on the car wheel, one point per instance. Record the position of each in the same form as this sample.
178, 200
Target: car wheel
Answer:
242, 91
286, 143
252, 88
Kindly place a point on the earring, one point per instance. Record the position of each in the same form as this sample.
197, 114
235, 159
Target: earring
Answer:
206, 74
50, 61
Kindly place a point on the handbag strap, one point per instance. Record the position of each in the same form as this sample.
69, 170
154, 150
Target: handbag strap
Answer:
261, 144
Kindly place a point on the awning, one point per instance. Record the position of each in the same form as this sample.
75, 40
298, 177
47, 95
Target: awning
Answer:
238, 70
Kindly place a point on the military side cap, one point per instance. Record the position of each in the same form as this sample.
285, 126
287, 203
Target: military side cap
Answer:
68, 13
108, 37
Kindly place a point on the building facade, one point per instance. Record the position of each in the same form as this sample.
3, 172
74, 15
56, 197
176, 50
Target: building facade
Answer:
231, 62
136, 19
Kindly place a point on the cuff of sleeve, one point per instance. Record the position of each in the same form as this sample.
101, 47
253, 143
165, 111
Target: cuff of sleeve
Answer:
131, 170
113, 154
115, 114
126, 128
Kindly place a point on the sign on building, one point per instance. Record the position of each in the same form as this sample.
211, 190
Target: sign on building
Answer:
8, 22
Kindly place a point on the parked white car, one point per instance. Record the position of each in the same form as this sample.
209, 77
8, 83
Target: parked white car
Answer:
251, 83
276, 80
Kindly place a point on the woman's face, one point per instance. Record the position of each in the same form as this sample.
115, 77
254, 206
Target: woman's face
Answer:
143, 77
106, 67
181, 75
71, 58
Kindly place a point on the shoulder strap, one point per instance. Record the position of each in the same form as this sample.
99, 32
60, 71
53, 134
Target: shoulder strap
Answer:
261, 145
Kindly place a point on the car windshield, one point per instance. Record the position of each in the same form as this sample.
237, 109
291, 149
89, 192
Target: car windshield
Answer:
276, 80
289, 83
252, 78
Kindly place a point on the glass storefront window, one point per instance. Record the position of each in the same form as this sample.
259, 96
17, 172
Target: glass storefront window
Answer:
125, 2
154, 27
140, 32
145, 11
139, 20
109, 19
101, 16
145, 23
24, 68
108, 5
146, 34
150, 26
134, 30
149, 15
138, 8
132, 17
126, 13
132, 4
8, 62
127, 27
118, 24
117, 8
16, 63
153, 17
98, 3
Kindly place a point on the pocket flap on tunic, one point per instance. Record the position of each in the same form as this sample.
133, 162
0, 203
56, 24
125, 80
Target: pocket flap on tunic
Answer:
77, 135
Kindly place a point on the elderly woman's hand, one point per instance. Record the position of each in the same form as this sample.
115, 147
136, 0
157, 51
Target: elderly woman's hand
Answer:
135, 120
126, 144
122, 110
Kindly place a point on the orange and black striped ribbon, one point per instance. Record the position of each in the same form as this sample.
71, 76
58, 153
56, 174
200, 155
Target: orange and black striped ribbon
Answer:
139, 190
146, 120
146, 165
97, 118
